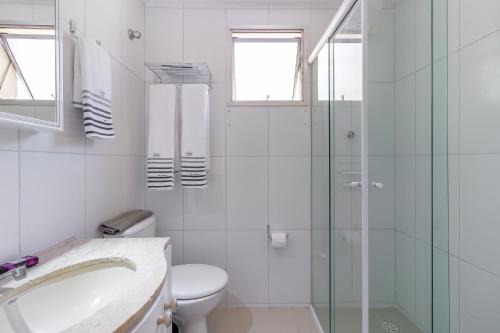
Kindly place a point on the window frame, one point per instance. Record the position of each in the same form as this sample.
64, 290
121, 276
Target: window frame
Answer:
231, 66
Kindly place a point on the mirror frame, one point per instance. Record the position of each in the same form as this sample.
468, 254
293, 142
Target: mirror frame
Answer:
8, 120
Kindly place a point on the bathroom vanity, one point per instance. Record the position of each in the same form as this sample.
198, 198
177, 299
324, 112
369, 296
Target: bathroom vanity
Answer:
100, 285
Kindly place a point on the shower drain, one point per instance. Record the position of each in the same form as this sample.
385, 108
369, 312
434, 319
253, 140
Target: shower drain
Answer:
390, 326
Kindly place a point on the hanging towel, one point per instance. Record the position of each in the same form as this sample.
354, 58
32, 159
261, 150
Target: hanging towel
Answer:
195, 140
92, 88
162, 136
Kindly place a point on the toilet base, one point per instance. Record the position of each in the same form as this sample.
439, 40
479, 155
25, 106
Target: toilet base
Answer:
198, 325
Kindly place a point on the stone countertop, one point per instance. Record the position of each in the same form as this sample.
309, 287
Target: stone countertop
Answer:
124, 311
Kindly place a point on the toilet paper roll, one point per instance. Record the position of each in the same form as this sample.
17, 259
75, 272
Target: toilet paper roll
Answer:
278, 239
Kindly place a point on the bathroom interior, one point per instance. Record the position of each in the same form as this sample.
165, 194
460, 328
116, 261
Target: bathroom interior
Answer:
244, 166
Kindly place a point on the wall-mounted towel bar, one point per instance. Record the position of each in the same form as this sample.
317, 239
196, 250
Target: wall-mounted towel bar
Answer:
72, 29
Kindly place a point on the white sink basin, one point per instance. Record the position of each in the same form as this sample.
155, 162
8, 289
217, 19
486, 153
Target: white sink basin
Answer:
65, 300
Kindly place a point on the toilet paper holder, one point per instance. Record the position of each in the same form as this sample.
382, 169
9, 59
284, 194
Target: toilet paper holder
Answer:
269, 232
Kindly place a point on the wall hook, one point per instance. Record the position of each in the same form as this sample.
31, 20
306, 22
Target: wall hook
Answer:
134, 34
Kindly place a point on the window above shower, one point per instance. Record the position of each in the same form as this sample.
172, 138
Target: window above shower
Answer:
267, 66
345, 48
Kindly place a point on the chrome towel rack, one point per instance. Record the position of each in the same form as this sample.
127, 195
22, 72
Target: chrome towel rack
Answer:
181, 73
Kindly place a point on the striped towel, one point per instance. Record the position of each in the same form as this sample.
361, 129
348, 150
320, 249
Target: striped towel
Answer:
92, 87
195, 140
161, 136
160, 173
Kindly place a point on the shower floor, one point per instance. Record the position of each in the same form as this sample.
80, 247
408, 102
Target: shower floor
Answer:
348, 320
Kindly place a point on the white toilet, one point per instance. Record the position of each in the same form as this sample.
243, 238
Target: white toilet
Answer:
197, 288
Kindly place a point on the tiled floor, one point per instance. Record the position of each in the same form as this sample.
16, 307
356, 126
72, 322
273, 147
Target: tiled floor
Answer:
261, 320
348, 320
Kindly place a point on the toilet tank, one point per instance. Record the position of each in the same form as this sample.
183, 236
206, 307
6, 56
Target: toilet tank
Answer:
145, 228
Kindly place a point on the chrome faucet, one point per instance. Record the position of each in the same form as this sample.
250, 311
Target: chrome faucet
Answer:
17, 273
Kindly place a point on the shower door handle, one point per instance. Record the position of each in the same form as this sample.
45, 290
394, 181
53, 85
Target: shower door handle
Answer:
353, 184
378, 185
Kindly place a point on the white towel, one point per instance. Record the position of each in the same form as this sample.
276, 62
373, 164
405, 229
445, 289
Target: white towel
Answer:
162, 136
92, 88
195, 143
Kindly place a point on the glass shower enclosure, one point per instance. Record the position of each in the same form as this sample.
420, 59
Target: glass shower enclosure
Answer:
379, 170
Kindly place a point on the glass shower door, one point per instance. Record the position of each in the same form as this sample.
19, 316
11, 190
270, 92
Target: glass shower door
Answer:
345, 102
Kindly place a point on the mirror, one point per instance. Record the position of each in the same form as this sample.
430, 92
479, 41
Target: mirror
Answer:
30, 75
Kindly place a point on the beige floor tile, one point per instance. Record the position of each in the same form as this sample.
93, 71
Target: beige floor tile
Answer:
261, 320
299, 320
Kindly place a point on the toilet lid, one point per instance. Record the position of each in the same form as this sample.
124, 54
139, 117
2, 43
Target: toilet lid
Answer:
196, 281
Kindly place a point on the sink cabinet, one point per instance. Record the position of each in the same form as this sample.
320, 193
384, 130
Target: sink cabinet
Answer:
152, 320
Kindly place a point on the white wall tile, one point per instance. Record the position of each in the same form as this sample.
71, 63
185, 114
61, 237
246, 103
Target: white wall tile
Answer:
423, 111
320, 18
454, 204
405, 116
381, 46
237, 18
343, 257
405, 194
9, 139
247, 131
45, 206
164, 33
177, 242
247, 267
133, 50
103, 197
405, 273
423, 33
381, 116
295, 18
247, 192
480, 292
479, 228
168, 207
381, 200
453, 103
453, 25
205, 247
423, 198
320, 283
289, 192
476, 20
205, 209
404, 27
218, 120
342, 208
289, 131
133, 182
289, 280
454, 276
342, 125
133, 113
103, 22
9, 205
382, 263
73, 9
479, 97
319, 131
423, 285
205, 39
320, 199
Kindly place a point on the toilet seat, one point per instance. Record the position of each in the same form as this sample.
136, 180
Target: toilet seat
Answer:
194, 281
